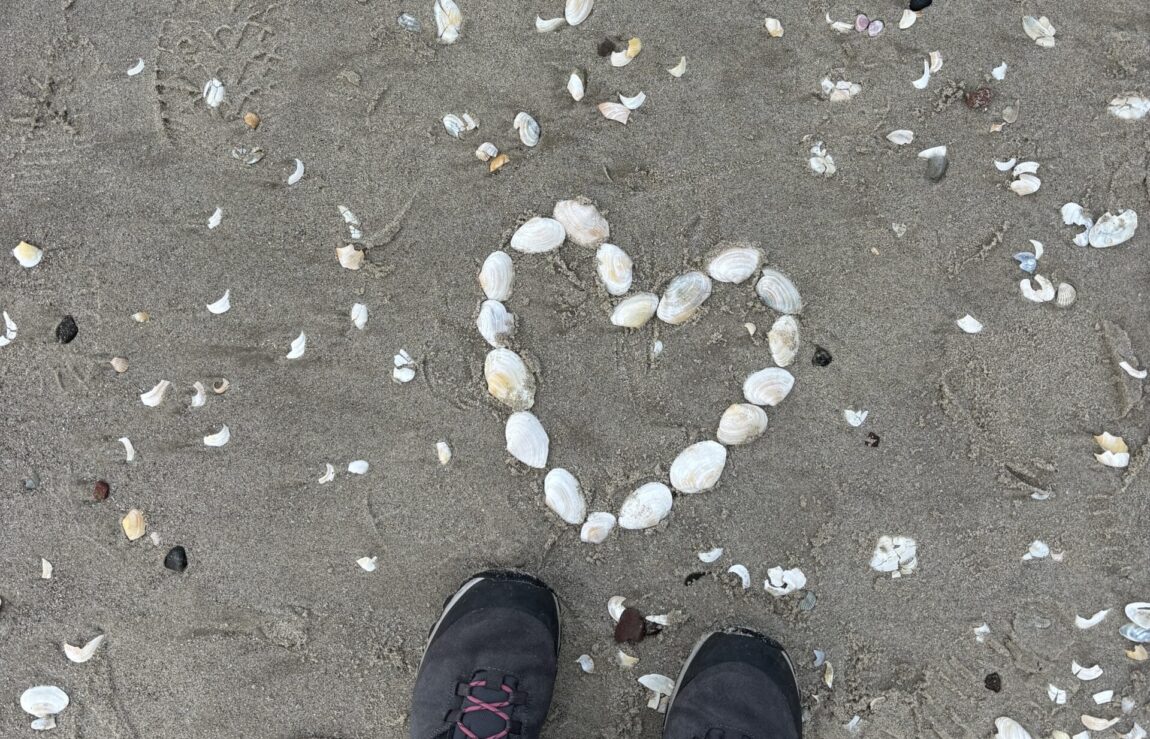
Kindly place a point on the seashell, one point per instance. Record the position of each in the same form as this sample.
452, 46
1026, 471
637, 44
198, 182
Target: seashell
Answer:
219, 438
586, 663
969, 324
645, 507
661, 688
615, 112
683, 296
140, 317
1115, 452
783, 340
495, 323
821, 163
1098, 724
497, 275
768, 386
782, 582
1038, 549
358, 467
1135, 633
576, 11
774, 27
1044, 294
136, 68
119, 364
549, 24
735, 264
634, 102
711, 555
1005, 165
538, 235
1008, 728
635, 311
1103, 697
1074, 214
497, 163
908, 18
200, 398
28, 255
900, 137
875, 28
215, 218
855, 418
508, 379
1086, 623
297, 173
922, 82
778, 292
1138, 613
486, 151
367, 564
741, 423
841, 91
1112, 230
620, 58
935, 61
1040, 30
1085, 674
741, 572
10, 331
526, 439
1056, 694
625, 660
1066, 295
45, 569
155, 396
1029, 167
897, 555
133, 524
404, 370
1138, 653
595, 530
1129, 107
298, 346
839, 26
328, 475
577, 85
615, 607
223, 305
80, 655
358, 315
698, 467
562, 494
614, 268
129, 450
999, 72
454, 125
349, 257
679, 69
43, 702
1026, 184
220, 386
214, 93
448, 21
528, 129
409, 22
582, 221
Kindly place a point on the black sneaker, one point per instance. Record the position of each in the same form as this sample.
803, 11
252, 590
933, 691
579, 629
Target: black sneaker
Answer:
489, 668
737, 684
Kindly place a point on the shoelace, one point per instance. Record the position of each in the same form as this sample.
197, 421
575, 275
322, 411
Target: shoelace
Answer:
500, 708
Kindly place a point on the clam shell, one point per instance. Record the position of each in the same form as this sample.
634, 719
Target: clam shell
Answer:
576, 11
784, 340
597, 527
635, 311
614, 268
1139, 614
497, 275
448, 21
778, 292
1026, 184
646, 506
1008, 728
1111, 230
1135, 633
526, 439
495, 323
577, 85
584, 224
28, 255
768, 386
508, 379
683, 297
562, 494
735, 264
615, 112
43, 700
349, 257
741, 423
698, 467
528, 128
133, 524
486, 151
538, 235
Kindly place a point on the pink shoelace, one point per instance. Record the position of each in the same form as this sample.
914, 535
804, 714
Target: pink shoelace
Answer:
478, 705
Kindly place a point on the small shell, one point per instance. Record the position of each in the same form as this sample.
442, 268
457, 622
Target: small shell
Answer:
1008, 728
615, 607
625, 660
1005, 165
358, 467
922, 82
646, 506
133, 524
660, 686
1087, 623
741, 423
901, 137
855, 418
582, 221
328, 475
586, 663
546, 25
45, 569
1056, 694
80, 655
1026, 184
155, 396
495, 323
526, 439
1111, 230
782, 582
633, 102
448, 21
538, 235
577, 85
367, 564
454, 125
1129, 107
497, 163
220, 386
679, 69
223, 305
999, 72
1041, 30
27, 254
486, 150
215, 218
897, 555
774, 27
297, 173
1028, 167
200, 398
219, 438
497, 276
1103, 697
43, 701
119, 364
597, 528
1066, 295
683, 296
214, 93
576, 11
742, 573
614, 268
969, 324
935, 61
1044, 294
140, 317
358, 315
1138, 613
778, 292
613, 111
735, 264
768, 386
298, 346
783, 340
1098, 724
698, 467
1085, 674
635, 311
443, 452
349, 257
908, 19
620, 58
508, 379
528, 128
711, 555
562, 494
136, 68
129, 450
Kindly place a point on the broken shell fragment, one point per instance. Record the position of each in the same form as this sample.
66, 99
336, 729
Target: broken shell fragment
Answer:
908, 19
595, 530
615, 607
136, 68
215, 218
219, 438
661, 688
367, 564
783, 340
624, 56
1098, 724
582, 222
526, 439
841, 91
1085, 674
782, 582
614, 268
129, 450
538, 235
349, 257
10, 331
922, 82
80, 655
698, 467
1026, 184
1008, 728
633, 102
1005, 165
27, 254
155, 396
328, 474
448, 21
613, 111
213, 93
645, 507
735, 264
508, 379
855, 418
223, 305
495, 323
635, 311
133, 524
200, 398
1138, 613
774, 27
741, 423
577, 85
679, 69
1114, 453
1112, 230
497, 275
1040, 30
220, 386
1044, 294
1129, 107
358, 467
546, 25
711, 555
897, 555
768, 386
577, 11
485, 151
900, 137
969, 324
936, 162
1056, 694
297, 173
298, 346
778, 292
740, 571
683, 297
562, 494
443, 452
528, 128
586, 663
358, 315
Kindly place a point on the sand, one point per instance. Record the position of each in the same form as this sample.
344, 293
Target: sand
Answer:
273, 631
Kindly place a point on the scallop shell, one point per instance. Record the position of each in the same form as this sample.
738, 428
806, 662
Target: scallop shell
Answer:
526, 439
614, 269
497, 275
778, 292
741, 423
528, 128
698, 467
1066, 295
768, 386
43, 700
508, 379
1111, 230
576, 11
584, 224
597, 527
562, 494
495, 323
735, 264
538, 235
635, 311
646, 506
683, 297
784, 340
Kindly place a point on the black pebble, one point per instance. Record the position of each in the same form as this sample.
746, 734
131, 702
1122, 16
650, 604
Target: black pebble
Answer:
872, 439
694, 577
993, 682
67, 330
177, 559
607, 47
822, 357
917, 5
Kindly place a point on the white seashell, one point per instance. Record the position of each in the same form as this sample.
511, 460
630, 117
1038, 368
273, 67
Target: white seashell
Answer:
969, 324
1087, 623
1129, 107
297, 173
821, 163
735, 264
615, 112
1038, 549
528, 128
1008, 728
839, 26
661, 688
1005, 165
1074, 214
214, 93
298, 347
1029, 167
129, 450
508, 379
27, 254
841, 91
349, 257
562, 494
778, 292
1044, 294
538, 235
1040, 30
683, 296
549, 24
1026, 184
155, 396
620, 58
582, 221
367, 564
1111, 230
634, 102
497, 276
614, 268
901, 137
924, 80
741, 423
768, 386
443, 452
635, 311
935, 61
774, 27
933, 152
782, 582
741, 572
1066, 295
201, 395
1085, 674
45, 569
448, 21
646, 506
10, 336
80, 655
526, 439
625, 660
711, 555
219, 438
576, 11
136, 68
595, 530
358, 467
586, 663
352, 222
215, 218
454, 125
679, 69
615, 607
981, 632
576, 85
855, 418
358, 315
486, 150
43, 702
1056, 694
495, 323
1098, 724
897, 555
1103, 697
908, 18
223, 305
698, 467
999, 72
783, 340
328, 475
656, 348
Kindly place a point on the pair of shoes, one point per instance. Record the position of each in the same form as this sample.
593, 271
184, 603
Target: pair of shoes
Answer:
491, 659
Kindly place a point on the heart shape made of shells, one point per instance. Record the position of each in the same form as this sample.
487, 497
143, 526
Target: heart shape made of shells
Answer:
698, 467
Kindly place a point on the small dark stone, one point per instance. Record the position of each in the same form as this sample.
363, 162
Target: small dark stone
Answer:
917, 5
632, 626
607, 47
993, 682
822, 357
67, 330
978, 99
101, 491
693, 578
872, 439
176, 559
